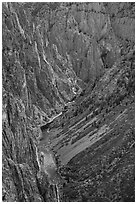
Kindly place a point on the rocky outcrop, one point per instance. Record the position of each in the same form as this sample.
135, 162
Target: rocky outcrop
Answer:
69, 69
57, 51
96, 148
94, 137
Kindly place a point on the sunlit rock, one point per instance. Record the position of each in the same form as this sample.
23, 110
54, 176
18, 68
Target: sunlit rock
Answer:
68, 86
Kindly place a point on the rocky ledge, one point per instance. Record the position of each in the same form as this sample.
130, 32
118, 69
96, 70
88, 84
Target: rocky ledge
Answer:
68, 115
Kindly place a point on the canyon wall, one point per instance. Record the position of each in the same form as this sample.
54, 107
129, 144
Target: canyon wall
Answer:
58, 55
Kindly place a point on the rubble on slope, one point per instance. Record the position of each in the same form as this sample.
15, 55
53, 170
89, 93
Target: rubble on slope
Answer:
68, 68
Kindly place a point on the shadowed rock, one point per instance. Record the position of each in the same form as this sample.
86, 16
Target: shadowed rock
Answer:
68, 74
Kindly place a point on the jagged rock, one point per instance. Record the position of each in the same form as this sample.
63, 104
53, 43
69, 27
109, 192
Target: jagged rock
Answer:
68, 68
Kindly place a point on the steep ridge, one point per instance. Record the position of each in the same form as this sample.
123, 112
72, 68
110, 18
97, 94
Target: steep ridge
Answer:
96, 149
94, 138
68, 101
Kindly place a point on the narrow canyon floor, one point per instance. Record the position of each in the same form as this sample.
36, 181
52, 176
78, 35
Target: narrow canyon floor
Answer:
68, 101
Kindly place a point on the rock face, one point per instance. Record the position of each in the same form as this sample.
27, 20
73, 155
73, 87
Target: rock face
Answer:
69, 69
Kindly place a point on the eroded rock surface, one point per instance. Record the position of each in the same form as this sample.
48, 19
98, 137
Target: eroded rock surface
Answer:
69, 69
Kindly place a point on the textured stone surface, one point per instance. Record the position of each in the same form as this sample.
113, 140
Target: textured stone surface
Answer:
72, 65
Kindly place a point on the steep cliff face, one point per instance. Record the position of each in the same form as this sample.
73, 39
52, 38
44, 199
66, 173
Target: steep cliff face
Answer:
70, 64
54, 50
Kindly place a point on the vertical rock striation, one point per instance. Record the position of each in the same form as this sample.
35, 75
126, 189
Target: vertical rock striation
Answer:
68, 68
